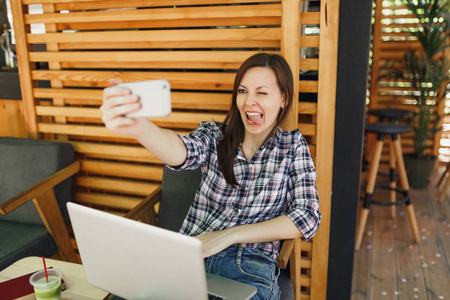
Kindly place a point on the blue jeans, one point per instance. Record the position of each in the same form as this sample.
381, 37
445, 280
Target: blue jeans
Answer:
248, 266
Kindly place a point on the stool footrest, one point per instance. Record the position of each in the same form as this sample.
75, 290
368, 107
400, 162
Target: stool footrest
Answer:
383, 187
385, 203
368, 198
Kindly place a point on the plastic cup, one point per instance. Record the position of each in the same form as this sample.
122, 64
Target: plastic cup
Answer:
44, 290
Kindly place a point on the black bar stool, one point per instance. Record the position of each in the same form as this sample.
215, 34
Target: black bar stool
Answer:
388, 115
394, 130
384, 114
391, 114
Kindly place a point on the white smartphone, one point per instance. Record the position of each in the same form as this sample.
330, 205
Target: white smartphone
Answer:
154, 96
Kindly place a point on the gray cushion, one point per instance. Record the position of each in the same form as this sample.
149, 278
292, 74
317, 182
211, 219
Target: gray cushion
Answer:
25, 162
21, 240
286, 288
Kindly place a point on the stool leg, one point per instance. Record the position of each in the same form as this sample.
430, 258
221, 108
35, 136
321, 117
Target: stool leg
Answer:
370, 145
373, 170
405, 187
400, 162
444, 175
361, 225
444, 189
392, 177
413, 220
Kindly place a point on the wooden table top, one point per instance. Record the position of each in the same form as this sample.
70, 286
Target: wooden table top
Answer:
77, 287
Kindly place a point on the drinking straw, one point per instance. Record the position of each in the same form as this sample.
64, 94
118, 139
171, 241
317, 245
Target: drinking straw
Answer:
45, 268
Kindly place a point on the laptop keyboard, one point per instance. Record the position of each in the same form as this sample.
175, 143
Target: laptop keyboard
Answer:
214, 297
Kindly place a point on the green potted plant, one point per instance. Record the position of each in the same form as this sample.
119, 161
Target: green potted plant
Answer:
426, 72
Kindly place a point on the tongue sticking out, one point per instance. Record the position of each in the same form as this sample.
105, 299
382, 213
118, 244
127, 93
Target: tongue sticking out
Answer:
255, 118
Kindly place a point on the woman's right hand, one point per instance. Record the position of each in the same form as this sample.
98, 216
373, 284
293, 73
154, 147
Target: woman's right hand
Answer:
117, 103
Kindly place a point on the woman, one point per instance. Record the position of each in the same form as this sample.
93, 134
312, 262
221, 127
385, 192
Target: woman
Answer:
258, 184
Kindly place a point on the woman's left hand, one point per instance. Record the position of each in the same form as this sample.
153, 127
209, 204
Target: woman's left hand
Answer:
215, 241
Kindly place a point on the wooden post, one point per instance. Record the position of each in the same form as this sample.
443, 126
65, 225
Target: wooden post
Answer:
373, 91
326, 103
290, 50
373, 88
24, 66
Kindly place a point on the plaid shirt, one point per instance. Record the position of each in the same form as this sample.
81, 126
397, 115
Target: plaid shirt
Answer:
279, 180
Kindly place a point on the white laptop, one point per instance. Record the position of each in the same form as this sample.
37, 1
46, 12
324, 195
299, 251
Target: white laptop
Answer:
134, 260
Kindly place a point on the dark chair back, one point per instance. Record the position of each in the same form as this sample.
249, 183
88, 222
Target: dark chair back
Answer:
177, 193
26, 162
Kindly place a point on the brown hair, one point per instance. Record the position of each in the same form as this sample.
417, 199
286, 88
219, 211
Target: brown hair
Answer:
233, 126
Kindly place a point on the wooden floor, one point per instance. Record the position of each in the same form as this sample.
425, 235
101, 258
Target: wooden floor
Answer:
390, 265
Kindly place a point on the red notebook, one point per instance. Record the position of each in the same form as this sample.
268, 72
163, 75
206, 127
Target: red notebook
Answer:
19, 288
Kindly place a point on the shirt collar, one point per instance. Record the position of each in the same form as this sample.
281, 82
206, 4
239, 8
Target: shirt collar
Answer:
269, 144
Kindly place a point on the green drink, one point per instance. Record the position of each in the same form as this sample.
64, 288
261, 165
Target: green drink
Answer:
44, 290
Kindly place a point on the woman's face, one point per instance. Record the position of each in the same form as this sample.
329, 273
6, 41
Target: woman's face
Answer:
259, 101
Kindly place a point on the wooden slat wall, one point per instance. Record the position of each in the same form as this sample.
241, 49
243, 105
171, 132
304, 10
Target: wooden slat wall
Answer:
197, 45
390, 40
